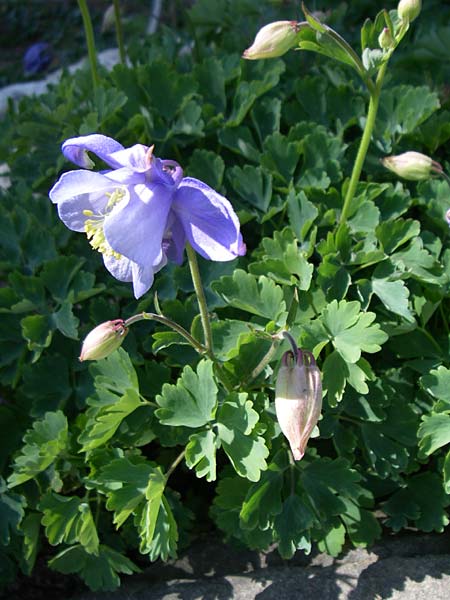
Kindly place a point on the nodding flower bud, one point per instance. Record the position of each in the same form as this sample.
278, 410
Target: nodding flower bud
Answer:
103, 340
408, 10
413, 166
385, 39
298, 399
273, 40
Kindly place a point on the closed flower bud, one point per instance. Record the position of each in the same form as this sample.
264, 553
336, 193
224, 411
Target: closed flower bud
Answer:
385, 39
408, 10
103, 340
274, 39
413, 166
298, 399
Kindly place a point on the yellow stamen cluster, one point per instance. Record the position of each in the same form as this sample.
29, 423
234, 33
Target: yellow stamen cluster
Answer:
93, 227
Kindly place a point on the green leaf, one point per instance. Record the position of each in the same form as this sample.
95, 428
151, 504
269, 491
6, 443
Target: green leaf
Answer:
253, 185
165, 536
37, 330
69, 519
280, 157
11, 513
30, 528
248, 91
292, 526
263, 499
283, 261
393, 234
394, 295
326, 481
334, 372
422, 501
240, 140
192, 401
149, 514
127, 485
437, 383
58, 274
352, 331
302, 214
43, 444
207, 166
236, 420
322, 157
434, 432
402, 109
333, 541
65, 321
98, 572
117, 396
361, 525
201, 454
260, 296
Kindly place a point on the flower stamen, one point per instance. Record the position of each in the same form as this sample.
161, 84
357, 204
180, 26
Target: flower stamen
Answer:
94, 227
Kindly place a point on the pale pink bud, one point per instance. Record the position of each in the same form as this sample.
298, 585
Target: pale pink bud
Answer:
298, 399
103, 340
273, 40
385, 39
413, 166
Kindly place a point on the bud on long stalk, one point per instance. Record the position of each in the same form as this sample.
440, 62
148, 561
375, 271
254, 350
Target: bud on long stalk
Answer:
298, 399
103, 340
413, 166
273, 40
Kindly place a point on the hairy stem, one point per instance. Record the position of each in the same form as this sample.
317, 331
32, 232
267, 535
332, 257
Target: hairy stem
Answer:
365, 141
90, 43
201, 299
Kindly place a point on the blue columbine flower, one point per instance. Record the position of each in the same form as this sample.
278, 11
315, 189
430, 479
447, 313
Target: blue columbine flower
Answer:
142, 212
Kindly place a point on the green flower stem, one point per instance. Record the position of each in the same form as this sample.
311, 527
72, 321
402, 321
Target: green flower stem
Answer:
201, 299
165, 321
365, 141
89, 34
119, 32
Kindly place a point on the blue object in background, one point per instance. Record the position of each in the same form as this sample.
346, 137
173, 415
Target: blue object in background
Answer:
37, 58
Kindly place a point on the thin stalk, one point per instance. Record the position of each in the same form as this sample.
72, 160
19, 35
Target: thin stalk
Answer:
265, 360
175, 464
165, 321
201, 299
89, 34
365, 141
119, 32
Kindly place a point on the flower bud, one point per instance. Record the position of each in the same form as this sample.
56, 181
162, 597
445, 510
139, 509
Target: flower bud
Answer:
108, 21
103, 340
385, 39
274, 39
408, 10
413, 166
298, 399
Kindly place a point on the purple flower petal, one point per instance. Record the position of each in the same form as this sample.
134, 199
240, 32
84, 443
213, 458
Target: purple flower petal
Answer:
209, 221
78, 191
174, 240
127, 270
136, 230
75, 150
